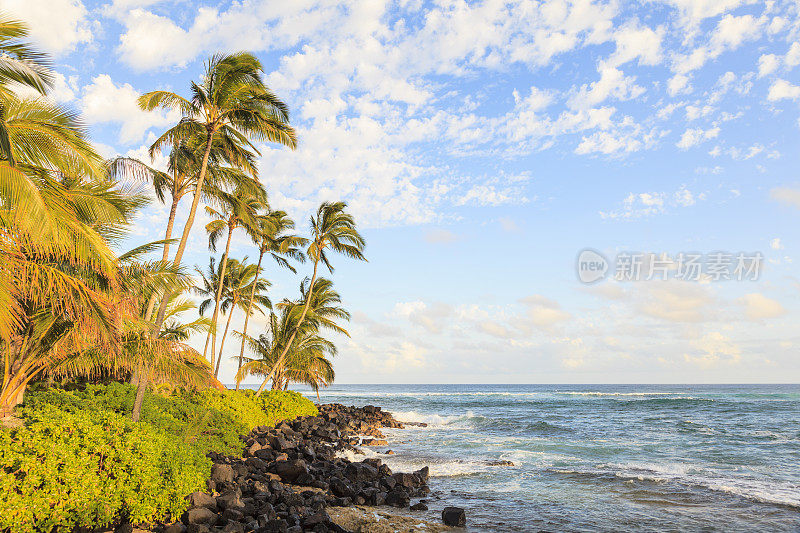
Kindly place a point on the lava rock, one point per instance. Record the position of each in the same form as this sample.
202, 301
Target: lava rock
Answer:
454, 516
221, 473
199, 515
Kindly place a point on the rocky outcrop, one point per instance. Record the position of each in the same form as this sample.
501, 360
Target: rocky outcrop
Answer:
289, 475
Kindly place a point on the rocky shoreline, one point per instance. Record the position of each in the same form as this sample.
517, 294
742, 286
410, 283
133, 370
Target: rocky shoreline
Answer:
292, 478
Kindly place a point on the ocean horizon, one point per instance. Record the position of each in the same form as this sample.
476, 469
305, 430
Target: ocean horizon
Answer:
647, 457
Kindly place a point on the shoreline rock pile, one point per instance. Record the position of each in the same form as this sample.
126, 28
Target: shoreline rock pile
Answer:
288, 475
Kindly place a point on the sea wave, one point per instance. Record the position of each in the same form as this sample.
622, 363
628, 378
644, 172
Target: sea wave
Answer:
438, 467
778, 492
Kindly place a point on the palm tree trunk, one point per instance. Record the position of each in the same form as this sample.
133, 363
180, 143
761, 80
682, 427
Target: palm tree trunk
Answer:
176, 198
165, 255
205, 348
187, 228
247, 316
220, 283
222, 341
279, 361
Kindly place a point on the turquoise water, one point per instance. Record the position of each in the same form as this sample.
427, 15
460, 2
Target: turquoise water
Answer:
601, 457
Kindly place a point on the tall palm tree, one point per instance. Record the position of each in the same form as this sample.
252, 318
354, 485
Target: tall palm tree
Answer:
239, 208
269, 234
230, 104
244, 291
331, 228
224, 169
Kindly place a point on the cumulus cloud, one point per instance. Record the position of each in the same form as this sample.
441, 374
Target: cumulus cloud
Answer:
783, 90
694, 136
60, 26
103, 101
760, 307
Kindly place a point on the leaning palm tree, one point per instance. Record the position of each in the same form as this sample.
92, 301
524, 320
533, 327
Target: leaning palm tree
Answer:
308, 362
230, 104
243, 291
68, 300
331, 229
239, 208
181, 177
269, 234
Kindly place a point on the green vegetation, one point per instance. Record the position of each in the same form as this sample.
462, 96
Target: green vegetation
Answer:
73, 308
78, 460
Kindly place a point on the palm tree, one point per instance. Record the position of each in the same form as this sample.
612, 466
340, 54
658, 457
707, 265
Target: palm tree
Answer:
332, 228
181, 178
269, 235
230, 104
238, 209
243, 291
65, 303
306, 361
208, 287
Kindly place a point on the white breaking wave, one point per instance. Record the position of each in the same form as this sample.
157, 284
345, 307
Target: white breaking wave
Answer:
773, 491
433, 420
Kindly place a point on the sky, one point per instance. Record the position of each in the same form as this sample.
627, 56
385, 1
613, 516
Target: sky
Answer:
481, 147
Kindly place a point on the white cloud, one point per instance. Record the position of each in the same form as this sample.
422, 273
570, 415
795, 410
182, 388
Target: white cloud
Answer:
714, 348
760, 307
612, 84
676, 301
544, 312
694, 136
782, 89
776, 244
57, 25
677, 84
786, 195
731, 31
104, 101
767, 64
792, 58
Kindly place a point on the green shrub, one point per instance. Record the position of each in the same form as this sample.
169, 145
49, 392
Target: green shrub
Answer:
80, 461
67, 467
282, 405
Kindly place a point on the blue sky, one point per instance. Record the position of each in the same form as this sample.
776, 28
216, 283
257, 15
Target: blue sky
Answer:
481, 147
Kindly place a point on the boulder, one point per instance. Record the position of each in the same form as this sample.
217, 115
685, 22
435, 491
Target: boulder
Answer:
289, 471
360, 472
398, 498
199, 515
454, 516
419, 507
230, 500
221, 473
201, 499
320, 517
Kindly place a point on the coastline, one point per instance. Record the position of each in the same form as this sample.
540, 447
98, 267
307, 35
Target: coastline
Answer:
296, 477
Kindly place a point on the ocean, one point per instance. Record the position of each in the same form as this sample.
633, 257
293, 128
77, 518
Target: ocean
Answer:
599, 457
